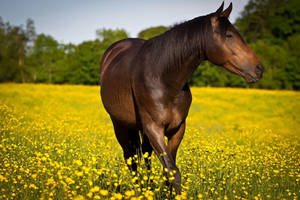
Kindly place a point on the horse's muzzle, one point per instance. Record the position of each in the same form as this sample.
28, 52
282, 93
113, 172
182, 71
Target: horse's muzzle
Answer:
259, 70
253, 78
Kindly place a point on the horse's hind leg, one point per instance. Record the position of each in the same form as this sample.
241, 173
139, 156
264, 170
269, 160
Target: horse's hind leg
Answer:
147, 148
129, 141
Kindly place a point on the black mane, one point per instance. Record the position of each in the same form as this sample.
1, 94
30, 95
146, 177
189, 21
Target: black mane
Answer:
172, 47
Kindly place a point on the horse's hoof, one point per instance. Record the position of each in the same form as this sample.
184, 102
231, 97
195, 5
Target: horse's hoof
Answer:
177, 189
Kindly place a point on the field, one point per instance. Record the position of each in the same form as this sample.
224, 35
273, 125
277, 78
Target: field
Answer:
57, 142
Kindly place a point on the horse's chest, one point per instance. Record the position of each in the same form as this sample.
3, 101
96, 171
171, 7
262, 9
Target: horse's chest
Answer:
163, 107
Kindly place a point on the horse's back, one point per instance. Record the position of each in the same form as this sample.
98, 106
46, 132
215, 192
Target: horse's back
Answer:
115, 80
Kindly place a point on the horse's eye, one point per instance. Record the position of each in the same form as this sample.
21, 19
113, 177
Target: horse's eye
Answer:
228, 35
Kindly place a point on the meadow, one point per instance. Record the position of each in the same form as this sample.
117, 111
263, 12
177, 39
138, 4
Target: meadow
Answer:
57, 142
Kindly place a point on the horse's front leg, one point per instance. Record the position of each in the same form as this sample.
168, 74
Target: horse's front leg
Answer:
156, 135
174, 140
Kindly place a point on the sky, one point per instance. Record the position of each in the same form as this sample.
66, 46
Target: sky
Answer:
76, 21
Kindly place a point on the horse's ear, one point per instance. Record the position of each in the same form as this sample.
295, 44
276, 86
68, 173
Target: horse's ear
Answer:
220, 10
227, 11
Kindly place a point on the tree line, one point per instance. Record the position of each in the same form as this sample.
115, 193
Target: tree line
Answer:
271, 28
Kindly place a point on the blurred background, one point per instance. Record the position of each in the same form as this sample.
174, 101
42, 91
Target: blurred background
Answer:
62, 42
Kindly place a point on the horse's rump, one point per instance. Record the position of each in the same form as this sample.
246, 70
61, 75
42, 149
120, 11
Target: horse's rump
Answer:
116, 49
115, 80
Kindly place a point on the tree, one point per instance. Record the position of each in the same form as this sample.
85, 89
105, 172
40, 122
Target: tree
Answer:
84, 63
152, 32
15, 42
108, 36
12, 53
44, 58
269, 18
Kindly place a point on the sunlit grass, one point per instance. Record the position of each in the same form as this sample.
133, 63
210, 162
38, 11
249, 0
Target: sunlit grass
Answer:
57, 142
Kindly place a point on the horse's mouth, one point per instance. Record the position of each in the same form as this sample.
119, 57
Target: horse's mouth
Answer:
246, 75
249, 78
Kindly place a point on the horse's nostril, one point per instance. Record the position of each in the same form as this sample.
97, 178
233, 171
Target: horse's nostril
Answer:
259, 70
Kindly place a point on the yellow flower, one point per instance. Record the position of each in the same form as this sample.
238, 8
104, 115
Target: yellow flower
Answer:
118, 196
146, 155
78, 163
90, 195
34, 176
79, 173
51, 181
79, 197
94, 159
33, 186
104, 192
129, 193
129, 161
2, 178
95, 189
70, 181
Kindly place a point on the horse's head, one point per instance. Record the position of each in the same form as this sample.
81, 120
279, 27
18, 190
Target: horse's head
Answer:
227, 48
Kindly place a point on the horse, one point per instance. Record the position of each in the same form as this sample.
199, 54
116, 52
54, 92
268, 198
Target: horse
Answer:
144, 83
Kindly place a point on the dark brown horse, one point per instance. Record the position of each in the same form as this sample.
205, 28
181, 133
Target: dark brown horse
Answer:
144, 82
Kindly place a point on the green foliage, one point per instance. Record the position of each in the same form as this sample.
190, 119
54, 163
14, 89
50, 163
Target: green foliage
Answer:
14, 44
43, 59
84, 63
269, 18
152, 32
109, 36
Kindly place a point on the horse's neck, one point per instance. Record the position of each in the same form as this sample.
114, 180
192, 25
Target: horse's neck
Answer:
180, 74
180, 63
172, 58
